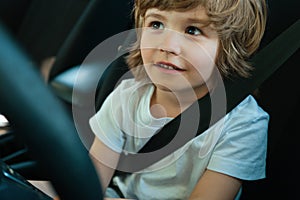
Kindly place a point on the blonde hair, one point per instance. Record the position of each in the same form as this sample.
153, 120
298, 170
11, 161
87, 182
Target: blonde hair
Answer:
240, 25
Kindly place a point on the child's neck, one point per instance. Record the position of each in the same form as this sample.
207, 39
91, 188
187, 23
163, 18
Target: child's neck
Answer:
168, 104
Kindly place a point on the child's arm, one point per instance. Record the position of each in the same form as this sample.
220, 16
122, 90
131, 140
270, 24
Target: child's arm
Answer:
215, 186
105, 161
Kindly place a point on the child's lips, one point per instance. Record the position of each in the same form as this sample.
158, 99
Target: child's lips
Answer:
168, 66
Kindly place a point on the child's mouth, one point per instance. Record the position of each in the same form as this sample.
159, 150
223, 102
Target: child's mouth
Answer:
168, 66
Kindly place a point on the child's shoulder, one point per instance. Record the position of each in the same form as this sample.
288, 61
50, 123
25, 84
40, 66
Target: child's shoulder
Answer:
130, 89
249, 108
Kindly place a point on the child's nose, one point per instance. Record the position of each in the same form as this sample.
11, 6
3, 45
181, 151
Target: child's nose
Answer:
171, 42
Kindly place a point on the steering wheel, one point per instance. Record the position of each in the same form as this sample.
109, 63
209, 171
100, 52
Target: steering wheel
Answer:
42, 121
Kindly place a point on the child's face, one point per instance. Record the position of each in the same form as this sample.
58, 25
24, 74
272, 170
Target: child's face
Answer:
178, 50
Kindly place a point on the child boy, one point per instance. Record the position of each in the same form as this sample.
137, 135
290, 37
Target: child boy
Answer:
182, 46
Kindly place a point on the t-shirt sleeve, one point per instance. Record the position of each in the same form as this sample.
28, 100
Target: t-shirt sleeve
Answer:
241, 151
105, 125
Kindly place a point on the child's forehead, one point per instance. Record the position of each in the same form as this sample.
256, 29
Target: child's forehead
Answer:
195, 13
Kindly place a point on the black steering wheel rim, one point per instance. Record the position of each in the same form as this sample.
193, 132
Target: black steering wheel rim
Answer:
42, 121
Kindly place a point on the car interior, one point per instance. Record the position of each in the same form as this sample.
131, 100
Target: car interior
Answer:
38, 136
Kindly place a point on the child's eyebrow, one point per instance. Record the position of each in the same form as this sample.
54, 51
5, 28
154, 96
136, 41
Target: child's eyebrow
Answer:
154, 15
204, 21
198, 21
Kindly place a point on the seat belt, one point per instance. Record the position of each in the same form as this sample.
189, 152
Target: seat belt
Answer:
267, 61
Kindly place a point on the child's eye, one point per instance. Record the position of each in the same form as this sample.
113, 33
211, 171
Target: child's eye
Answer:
156, 25
192, 30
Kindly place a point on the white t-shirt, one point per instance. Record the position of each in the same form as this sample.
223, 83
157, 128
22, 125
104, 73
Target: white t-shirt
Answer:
235, 145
